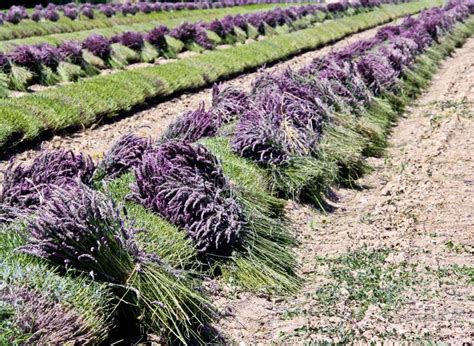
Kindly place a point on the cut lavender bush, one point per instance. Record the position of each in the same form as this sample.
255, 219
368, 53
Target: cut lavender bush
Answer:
193, 125
27, 186
185, 184
125, 154
80, 228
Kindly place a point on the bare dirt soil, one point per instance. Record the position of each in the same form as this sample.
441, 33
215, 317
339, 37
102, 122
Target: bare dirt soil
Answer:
153, 121
395, 260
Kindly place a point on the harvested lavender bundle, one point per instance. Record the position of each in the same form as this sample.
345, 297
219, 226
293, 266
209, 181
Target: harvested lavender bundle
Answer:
98, 45
27, 186
125, 154
192, 125
184, 183
280, 125
80, 228
38, 320
132, 40
157, 37
377, 72
228, 103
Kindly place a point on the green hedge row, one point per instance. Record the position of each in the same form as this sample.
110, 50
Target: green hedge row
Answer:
83, 103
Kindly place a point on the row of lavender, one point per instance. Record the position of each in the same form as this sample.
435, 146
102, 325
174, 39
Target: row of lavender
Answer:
43, 58
284, 117
73, 11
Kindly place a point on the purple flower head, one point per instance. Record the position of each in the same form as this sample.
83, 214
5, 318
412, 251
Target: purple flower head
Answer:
50, 56
257, 21
228, 104
4, 63
129, 8
98, 45
15, 14
377, 72
26, 56
132, 40
36, 15
88, 12
51, 15
71, 12
125, 154
184, 32
240, 21
72, 51
185, 184
107, 10
28, 186
144, 7
80, 228
44, 320
193, 125
222, 27
157, 37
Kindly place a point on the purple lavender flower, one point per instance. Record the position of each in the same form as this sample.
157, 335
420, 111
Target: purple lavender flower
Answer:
377, 72
125, 154
107, 10
157, 37
80, 228
71, 12
88, 12
98, 45
185, 184
72, 51
50, 56
26, 56
44, 320
51, 15
36, 15
192, 125
15, 14
132, 40
228, 104
28, 186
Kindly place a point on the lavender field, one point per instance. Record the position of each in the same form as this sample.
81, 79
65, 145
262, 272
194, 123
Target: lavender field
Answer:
237, 171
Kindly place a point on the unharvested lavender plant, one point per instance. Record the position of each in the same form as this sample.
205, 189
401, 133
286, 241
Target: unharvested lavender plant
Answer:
125, 154
185, 184
27, 186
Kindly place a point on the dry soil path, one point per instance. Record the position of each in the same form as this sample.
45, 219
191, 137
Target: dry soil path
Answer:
395, 261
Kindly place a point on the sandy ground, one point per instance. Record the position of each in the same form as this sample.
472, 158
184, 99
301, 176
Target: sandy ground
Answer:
394, 261
153, 121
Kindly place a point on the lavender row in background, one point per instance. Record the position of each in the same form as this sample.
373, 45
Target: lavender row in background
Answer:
73, 11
